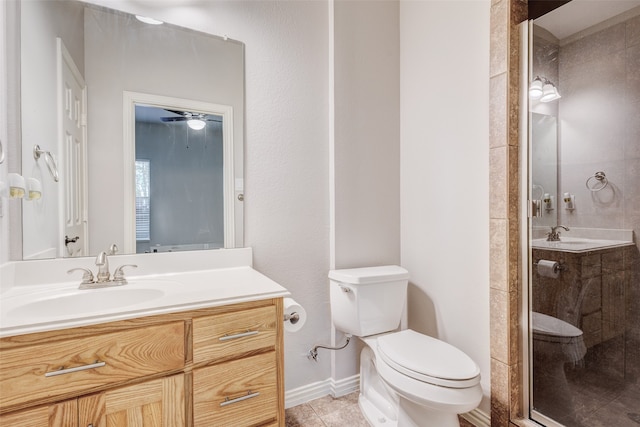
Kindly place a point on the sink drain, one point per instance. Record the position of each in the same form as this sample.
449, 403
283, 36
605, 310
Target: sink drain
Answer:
634, 417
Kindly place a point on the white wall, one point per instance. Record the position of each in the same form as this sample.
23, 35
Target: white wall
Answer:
366, 144
444, 89
4, 134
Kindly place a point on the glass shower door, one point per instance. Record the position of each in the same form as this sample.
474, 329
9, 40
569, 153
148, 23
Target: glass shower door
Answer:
584, 250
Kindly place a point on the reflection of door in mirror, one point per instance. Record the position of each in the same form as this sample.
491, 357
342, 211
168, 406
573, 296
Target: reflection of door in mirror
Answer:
72, 103
179, 180
181, 185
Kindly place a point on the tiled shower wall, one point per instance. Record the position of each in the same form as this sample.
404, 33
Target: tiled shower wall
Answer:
504, 198
599, 127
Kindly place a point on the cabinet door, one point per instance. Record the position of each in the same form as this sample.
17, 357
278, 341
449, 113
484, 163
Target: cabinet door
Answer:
153, 403
63, 414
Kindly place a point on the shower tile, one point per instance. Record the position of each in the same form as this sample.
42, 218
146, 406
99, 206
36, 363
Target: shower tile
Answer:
498, 111
633, 31
595, 46
631, 146
632, 355
499, 334
500, 393
633, 77
498, 267
498, 182
499, 38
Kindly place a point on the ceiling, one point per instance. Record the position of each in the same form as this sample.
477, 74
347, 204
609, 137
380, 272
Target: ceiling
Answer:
578, 15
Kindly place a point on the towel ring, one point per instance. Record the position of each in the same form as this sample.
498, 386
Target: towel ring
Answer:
48, 159
592, 182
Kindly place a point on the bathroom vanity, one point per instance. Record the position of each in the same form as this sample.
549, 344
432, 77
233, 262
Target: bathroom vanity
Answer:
590, 290
210, 354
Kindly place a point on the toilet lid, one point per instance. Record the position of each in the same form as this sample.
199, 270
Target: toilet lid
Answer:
428, 359
552, 326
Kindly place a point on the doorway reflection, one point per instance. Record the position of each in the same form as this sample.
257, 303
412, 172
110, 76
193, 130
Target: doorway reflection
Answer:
179, 181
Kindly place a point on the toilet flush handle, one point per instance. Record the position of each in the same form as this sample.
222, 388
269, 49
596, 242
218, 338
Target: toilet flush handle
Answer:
344, 288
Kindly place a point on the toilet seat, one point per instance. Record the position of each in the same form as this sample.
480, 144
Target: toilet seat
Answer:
427, 359
549, 328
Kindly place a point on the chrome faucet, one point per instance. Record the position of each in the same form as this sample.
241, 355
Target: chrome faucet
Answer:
103, 268
103, 278
554, 234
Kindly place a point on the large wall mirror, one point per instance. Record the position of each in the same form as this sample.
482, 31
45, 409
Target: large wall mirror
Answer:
110, 101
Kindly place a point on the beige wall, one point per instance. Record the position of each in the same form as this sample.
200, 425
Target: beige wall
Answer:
444, 173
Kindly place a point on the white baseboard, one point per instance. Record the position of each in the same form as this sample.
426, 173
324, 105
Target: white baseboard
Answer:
478, 418
328, 387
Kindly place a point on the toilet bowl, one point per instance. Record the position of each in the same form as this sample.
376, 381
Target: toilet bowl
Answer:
407, 379
555, 343
556, 339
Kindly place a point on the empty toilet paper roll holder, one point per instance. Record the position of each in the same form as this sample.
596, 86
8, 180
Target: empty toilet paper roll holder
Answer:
557, 268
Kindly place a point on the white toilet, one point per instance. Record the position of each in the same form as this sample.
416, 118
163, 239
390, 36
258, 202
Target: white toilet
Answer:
556, 339
406, 378
555, 343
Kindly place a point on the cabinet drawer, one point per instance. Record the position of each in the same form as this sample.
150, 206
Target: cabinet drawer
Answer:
238, 393
227, 335
71, 366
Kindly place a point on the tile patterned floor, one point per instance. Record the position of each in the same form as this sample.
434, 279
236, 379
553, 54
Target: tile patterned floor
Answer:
331, 412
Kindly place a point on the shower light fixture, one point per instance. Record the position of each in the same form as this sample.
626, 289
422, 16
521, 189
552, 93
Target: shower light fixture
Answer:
196, 124
535, 90
542, 89
549, 92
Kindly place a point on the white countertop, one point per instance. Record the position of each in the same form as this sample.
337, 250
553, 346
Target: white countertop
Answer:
29, 307
578, 245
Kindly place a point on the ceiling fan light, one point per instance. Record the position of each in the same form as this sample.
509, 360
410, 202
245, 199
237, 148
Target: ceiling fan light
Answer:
196, 124
148, 20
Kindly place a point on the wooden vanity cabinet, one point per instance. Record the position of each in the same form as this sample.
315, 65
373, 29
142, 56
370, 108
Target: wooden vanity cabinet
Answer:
61, 414
220, 366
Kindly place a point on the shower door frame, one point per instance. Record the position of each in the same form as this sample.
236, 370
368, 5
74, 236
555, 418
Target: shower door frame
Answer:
526, 211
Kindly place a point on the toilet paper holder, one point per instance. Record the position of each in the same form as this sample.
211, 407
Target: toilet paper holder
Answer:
559, 267
293, 317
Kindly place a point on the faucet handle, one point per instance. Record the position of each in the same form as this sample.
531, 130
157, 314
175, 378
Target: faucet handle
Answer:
118, 274
87, 276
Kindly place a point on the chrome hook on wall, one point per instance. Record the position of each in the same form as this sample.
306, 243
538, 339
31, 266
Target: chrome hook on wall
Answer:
48, 159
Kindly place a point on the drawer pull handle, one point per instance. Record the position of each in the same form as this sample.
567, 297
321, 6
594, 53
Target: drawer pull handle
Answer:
249, 395
240, 335
63, 371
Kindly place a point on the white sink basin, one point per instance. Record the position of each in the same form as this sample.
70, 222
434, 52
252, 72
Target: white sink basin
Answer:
84, 302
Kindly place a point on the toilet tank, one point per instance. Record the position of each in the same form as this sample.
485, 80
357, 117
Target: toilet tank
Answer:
369, 300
